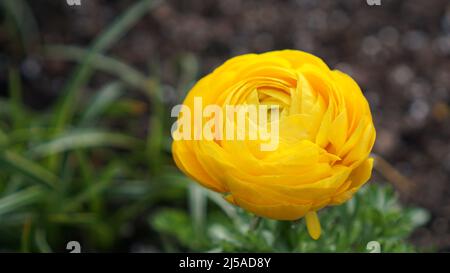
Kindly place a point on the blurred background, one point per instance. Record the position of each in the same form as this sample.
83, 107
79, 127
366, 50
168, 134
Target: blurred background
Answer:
85, 98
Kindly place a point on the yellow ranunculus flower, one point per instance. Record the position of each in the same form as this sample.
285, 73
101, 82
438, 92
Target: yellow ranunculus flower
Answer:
325, 137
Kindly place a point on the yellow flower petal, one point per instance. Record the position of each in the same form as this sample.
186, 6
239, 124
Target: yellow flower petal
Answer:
325, 135
313, 225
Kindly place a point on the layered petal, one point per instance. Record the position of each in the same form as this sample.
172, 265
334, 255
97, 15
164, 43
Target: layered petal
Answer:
318, 118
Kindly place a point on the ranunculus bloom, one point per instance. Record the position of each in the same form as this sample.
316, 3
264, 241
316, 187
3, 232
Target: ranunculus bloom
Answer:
325, 137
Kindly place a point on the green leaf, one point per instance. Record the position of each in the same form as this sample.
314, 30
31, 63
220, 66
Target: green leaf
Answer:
28, 30
100, 102
113, 66
197, 206
83, 139
19, 164
374, 214
20, 199
93, 189
67, 104
174, 223
41, 241
73, 218
419, 216
15, 93
84, 70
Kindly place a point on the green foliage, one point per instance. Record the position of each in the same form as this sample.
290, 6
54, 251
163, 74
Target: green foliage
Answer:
79, 170
374, 214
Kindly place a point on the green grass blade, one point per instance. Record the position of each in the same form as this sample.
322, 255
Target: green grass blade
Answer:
19, 164
93, 190
198, 208
25, 244
27, 30
3, 138
15, 94
155, 135
83, 139
84, 70
41, 241
73, 218
20, 199
113, 66
104, 98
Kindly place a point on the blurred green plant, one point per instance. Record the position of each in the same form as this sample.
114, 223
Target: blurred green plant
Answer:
374, 214
83, 169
